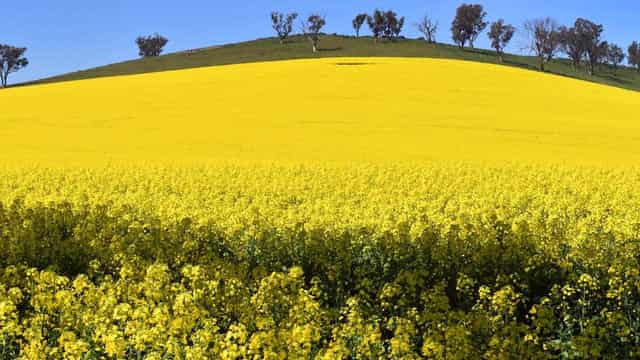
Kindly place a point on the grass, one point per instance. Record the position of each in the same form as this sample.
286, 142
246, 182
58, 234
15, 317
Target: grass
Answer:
339, 46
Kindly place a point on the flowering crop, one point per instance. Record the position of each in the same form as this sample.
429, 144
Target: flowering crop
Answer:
220, 229
322, 109
327, 261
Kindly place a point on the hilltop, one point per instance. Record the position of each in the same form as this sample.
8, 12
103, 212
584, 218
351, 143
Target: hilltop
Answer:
269, 49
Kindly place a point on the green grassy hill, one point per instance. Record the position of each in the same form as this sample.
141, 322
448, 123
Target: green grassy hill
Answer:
337, 46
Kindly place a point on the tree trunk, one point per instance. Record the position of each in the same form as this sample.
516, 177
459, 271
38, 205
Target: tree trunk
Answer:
501, 58
315, 48
541, 63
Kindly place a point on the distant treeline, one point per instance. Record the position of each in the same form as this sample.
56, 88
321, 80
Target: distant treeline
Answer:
582, 42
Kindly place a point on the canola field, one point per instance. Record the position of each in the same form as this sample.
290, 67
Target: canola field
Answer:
320, 209
328, 109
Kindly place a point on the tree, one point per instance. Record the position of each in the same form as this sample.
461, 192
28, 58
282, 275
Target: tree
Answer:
468, 24
376, 24
151, 45
358, 21
615, 55
428, 28
311, 29
571, 44
385, 24
392, 25
544, 39
601, 54
283, 24
500, 35
633, 53
589, 34
11, 60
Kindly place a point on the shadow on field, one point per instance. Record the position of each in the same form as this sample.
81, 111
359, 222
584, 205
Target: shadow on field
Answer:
330, 49
353, 63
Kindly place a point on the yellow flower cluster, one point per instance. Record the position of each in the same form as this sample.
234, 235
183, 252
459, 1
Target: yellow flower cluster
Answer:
166, 216
345, 109
304, 261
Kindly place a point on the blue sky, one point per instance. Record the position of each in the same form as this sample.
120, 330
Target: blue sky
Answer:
68, 35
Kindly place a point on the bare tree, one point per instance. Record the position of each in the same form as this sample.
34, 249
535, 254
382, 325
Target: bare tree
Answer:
615, 55
544, 39
633, 53
151, 45
358, 21
283, 24
376, 23
11, 60
428, 28
500, 35
468, 24
311, 29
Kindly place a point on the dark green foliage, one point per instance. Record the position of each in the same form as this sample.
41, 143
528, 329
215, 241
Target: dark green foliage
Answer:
151, 45
468, 24
11, 60
385, 24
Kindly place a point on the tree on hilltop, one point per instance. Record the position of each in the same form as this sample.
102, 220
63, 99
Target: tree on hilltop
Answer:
311, 29
392, 25
357, 23
11, 60
500, 36
151, 45
468, 24
376, 23
428, 28
385, 24
633, 55
615, 55
571, 44
590, 34
283, 24
544, 39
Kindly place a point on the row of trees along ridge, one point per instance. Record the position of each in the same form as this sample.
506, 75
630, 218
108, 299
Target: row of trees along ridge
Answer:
581, 43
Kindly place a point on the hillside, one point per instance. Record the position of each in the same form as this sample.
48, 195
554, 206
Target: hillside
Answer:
336, 46
333, 109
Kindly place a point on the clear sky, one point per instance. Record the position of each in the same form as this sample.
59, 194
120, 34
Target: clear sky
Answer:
68, 35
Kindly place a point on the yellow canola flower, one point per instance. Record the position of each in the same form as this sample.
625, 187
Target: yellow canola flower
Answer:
346, 109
